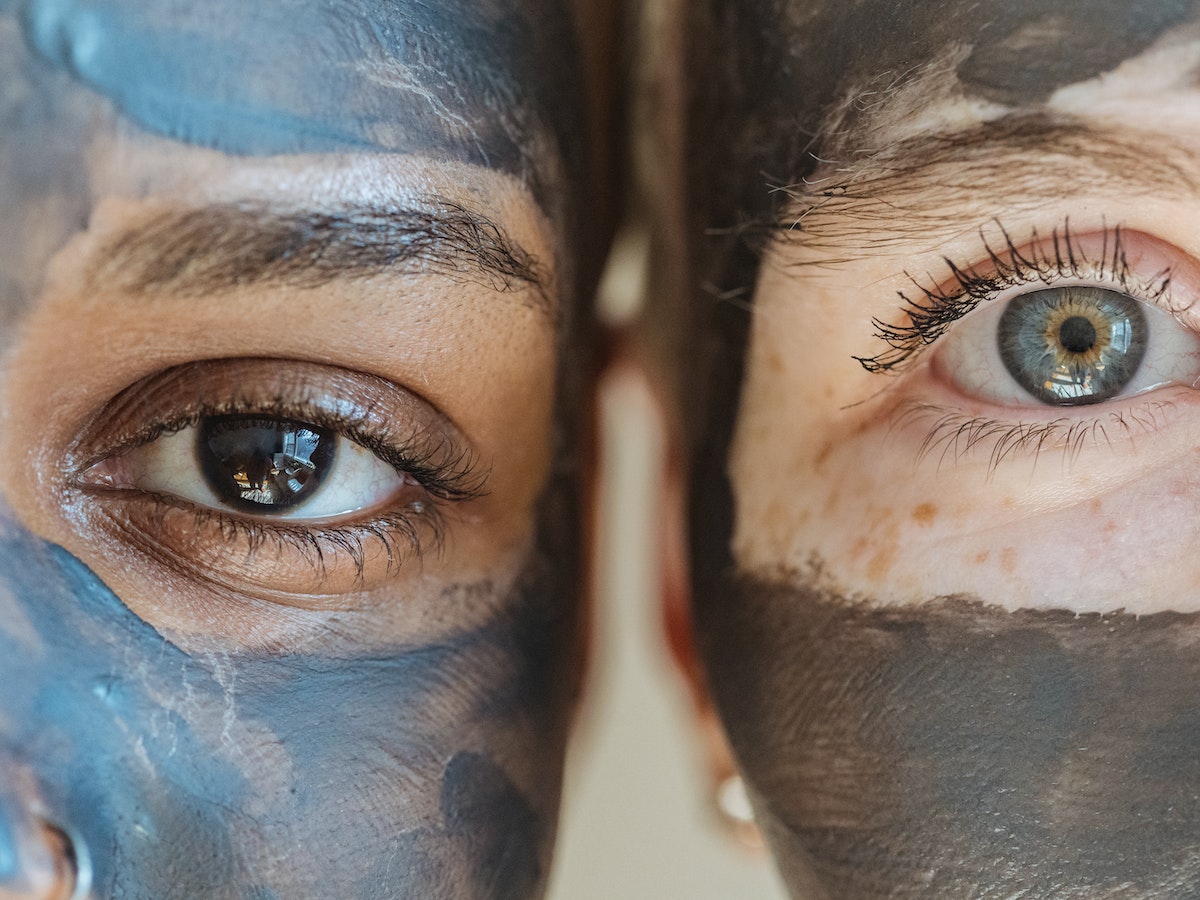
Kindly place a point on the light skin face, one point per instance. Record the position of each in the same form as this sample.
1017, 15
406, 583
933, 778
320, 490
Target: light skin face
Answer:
364, 693
950, 626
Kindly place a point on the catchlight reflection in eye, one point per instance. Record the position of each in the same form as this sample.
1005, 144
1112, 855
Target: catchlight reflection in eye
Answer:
1067, 346
262, 465
1072, 345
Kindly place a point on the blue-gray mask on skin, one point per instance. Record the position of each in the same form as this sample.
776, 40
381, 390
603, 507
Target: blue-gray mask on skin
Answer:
474, 80
238, 776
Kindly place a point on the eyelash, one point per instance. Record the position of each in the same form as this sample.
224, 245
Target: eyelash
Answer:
1060, 258
952, 434
447, 474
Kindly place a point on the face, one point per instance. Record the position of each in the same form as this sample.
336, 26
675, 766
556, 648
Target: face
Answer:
291, 382
943, 473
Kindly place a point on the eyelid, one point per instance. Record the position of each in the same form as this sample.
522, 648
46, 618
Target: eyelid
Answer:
400, 427
1132, 262
281, 560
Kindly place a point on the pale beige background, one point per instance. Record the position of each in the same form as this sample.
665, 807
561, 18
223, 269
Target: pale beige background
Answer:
637, 821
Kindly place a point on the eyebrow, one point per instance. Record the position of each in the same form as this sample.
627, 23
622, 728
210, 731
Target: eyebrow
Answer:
933, 186
219, 248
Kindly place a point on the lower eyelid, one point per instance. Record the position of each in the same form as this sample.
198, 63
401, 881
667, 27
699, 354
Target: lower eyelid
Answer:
945, 428
273, 559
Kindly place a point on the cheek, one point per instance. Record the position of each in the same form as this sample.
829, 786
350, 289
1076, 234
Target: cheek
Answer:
924, 752
413, 770
901, 498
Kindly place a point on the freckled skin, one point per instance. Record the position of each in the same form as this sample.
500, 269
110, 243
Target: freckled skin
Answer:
946, 749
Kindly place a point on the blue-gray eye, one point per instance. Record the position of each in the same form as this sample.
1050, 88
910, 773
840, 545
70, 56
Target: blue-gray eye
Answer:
1069, 346
1066, 346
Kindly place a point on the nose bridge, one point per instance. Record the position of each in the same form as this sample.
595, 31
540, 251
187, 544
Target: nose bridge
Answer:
39, 860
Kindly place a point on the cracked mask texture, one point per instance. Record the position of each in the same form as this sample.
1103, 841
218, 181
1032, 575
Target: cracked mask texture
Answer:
202, 776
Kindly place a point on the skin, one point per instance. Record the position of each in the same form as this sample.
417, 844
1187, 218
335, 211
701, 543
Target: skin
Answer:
950, 661
345, 221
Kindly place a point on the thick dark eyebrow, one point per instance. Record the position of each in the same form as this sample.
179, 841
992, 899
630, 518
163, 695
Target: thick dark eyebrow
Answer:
213, 249
933, 186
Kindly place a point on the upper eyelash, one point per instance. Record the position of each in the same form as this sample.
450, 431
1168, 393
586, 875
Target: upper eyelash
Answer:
1059, 258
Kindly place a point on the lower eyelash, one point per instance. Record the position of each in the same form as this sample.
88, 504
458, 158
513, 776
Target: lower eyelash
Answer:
953, 436
406, 533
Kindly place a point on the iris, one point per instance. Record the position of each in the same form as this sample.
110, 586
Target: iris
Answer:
259, 463
1069, 346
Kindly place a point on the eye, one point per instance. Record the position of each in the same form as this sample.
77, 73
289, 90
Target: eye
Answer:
276, 478
257, 465
1070, 345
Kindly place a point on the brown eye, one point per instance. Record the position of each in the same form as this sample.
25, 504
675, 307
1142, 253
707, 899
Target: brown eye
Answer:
259, 464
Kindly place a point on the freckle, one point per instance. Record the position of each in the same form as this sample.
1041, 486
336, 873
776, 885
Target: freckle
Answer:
823, 455
1094, 506
857, 549
982, 557
1008, 560
924, 514
831, 501
881, 563
1110, 526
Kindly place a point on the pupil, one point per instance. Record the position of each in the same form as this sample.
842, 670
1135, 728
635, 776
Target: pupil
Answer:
1077, 335
263, 464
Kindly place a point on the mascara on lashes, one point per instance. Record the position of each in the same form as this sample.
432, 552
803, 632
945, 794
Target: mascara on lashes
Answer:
1060, 257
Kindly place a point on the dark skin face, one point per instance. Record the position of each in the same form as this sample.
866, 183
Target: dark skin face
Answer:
949, 625
231, 231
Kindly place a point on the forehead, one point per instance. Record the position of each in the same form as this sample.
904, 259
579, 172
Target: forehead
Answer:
458, 79
1012, 52
780, 72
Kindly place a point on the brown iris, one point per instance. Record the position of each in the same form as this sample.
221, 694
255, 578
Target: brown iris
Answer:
262, 464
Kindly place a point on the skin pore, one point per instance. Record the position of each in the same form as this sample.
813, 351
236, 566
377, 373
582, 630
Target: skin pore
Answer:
950, 629
369, 225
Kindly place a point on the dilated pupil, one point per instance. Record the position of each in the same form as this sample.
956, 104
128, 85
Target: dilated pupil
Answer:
261, 464
1077, 335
